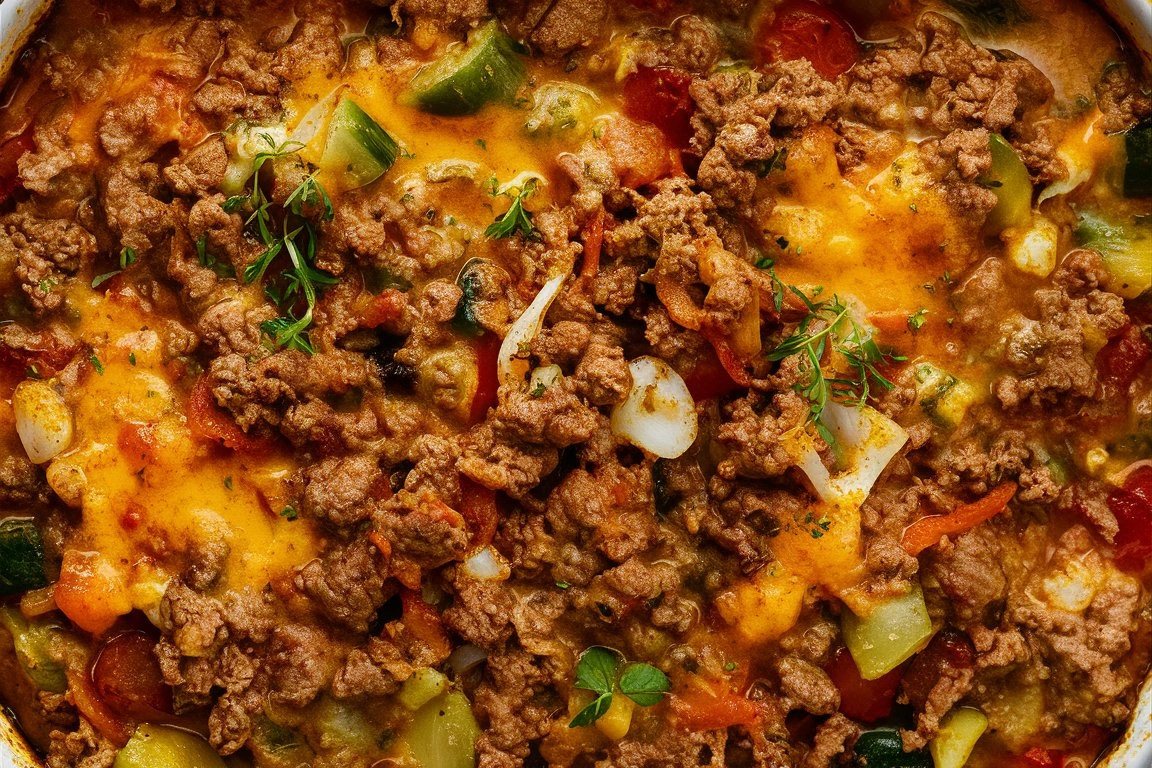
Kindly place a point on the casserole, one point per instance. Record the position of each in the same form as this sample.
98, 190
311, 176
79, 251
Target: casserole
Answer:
1136, 738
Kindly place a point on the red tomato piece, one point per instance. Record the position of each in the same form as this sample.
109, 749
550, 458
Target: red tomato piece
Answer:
709, 379
137, 442
208, 422
127, 677
1122, 357
865, 700
803, 29
659, 95
478, 508
708, 711
10, 152
423, 621
1041, 757
487, 379
384, 308
1132, 506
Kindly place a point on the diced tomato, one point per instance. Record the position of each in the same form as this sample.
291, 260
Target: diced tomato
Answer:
127, 677
137, 442
1041, 757
1122, 357
423, 621
949, 649
704, 710
659, 95
478, 508
728, 358
1132, 506
487, 380
90, 591
107, 723
10, 152
209, 423
803, 29
383, 308
865, 700
709, 379
638, 151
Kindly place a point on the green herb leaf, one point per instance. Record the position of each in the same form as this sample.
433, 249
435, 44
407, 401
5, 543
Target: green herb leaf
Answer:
596, 669
516, 219
829, 327
592, 712
644, 684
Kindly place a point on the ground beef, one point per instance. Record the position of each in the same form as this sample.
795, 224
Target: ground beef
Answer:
347, 584
969, 572
341, 490
514, 703
1082, 648
1051, 355
45, 253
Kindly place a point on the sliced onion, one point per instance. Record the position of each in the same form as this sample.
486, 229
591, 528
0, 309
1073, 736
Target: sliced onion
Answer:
659, 414
486, 564
43, 420
466, 657
544, 377
869, 440
509, 364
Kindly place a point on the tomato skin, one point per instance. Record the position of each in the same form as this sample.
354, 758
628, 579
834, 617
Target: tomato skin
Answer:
487, 378
803, 29
478, 508
1121, 359
865, 700
1132, 506
126, 675
208, 422
10, 153
708, 711
659, 95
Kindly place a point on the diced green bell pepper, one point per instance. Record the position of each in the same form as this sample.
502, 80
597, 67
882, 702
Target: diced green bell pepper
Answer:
466, 78
1138, 168
1009, 181
33, 643
887, 637
358, 151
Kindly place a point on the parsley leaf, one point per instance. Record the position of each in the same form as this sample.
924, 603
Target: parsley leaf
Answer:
644, 684
597, 670
515, 219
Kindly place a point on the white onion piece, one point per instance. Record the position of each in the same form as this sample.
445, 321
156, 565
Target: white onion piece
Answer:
544, 377
465, 658
659, 414
43, 420
509, 365
486, 564
869, 440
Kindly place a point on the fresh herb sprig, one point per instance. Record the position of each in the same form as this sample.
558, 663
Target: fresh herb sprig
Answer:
295, 237
515, 219
830, 327
127, 257
602, 671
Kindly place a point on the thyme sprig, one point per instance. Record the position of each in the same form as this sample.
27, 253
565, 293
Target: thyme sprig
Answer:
829, 327
294, 236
